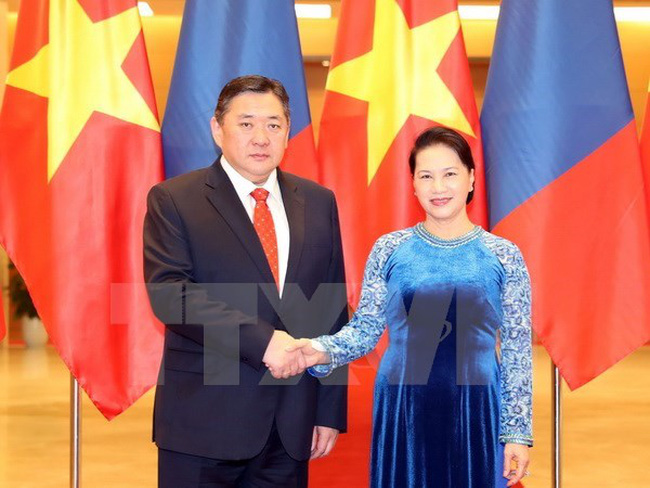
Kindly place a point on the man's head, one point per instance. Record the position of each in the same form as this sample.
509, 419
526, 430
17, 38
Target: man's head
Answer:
252, 84
251, 125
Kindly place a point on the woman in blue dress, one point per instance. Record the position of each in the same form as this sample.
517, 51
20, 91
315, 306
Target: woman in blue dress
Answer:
453, 393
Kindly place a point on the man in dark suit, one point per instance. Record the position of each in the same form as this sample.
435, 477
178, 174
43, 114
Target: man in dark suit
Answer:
240, 258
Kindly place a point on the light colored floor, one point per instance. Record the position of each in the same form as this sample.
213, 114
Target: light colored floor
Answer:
606, 430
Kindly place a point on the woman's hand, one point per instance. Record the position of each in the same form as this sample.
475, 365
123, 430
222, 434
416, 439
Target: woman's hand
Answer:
311, 355
515, 462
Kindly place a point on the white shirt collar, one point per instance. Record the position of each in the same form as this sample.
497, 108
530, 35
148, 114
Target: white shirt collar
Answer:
244, 187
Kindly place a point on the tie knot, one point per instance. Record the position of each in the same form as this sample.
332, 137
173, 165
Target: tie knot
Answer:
260, 194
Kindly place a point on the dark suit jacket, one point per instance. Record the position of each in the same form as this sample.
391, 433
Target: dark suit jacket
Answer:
210, 283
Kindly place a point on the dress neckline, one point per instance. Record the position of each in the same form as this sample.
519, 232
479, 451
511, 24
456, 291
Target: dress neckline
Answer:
434, 240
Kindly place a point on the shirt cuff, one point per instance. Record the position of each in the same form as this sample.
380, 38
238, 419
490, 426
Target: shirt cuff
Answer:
318, 345
320, 370
516, 439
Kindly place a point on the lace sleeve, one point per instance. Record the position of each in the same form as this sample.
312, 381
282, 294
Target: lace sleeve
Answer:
362, 333
516, 351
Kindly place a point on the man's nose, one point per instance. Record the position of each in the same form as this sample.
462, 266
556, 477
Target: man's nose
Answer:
260, 136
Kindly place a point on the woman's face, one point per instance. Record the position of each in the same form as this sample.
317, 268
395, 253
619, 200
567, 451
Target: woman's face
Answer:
441, 183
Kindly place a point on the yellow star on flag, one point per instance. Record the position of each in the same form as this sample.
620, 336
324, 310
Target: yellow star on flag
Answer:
80, 71
398, 78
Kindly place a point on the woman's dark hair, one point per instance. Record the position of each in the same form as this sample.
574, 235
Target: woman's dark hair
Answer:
445, 137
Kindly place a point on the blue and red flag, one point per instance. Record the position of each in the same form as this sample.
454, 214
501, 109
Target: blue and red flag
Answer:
565, 180
219, 41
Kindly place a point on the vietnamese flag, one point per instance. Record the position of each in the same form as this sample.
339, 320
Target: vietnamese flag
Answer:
565, 179
79, 149
398, 67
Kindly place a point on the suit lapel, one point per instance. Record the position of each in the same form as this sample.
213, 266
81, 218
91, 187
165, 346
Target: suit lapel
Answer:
223, 197
294, 206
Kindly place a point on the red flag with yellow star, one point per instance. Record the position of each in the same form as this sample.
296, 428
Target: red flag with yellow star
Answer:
398, 67
79, 149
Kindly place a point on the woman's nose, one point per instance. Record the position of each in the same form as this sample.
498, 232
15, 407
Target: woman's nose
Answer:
438, 185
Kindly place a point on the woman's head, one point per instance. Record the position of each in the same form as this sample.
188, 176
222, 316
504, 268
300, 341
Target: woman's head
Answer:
443, 174
444, 137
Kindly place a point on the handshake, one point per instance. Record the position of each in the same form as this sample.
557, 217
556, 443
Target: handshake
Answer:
286, 356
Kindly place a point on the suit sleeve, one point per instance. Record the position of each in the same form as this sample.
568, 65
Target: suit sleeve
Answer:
185, 306
333, 390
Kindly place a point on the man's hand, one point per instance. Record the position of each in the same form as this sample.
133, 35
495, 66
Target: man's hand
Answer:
311, 355
515, 463
323, 441
281, 361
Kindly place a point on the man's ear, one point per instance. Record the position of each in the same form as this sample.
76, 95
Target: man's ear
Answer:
217, 131
286, 140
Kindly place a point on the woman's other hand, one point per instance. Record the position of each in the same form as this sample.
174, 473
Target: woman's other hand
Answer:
515, 463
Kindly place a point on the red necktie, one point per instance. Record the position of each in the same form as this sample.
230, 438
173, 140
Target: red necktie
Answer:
263, 222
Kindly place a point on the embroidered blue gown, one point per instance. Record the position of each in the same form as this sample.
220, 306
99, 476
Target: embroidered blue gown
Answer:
455, 382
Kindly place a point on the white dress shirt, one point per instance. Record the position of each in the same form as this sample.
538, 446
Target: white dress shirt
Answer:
244, 187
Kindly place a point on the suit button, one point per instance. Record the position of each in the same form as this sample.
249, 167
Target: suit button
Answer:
244, 359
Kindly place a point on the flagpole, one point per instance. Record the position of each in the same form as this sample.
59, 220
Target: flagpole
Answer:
4, 298
75, 434
557, 428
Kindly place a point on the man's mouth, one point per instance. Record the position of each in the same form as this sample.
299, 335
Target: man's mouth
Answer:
259, 156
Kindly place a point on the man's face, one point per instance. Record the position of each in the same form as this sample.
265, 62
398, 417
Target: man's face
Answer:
253, 135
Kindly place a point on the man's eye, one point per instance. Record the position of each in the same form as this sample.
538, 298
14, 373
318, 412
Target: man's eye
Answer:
274, 126
246, 125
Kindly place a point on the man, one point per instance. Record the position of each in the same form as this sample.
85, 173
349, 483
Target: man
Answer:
237, 255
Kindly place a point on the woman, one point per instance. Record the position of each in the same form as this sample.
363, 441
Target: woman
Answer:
452, 409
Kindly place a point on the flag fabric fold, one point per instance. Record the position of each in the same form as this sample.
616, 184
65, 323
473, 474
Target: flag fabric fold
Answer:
565, 180
398, 67
79, 149
220, 41
645, 151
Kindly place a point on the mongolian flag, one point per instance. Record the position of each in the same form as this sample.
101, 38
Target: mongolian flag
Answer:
645, 149
79, 149
565, 180
399, 67
221, 40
